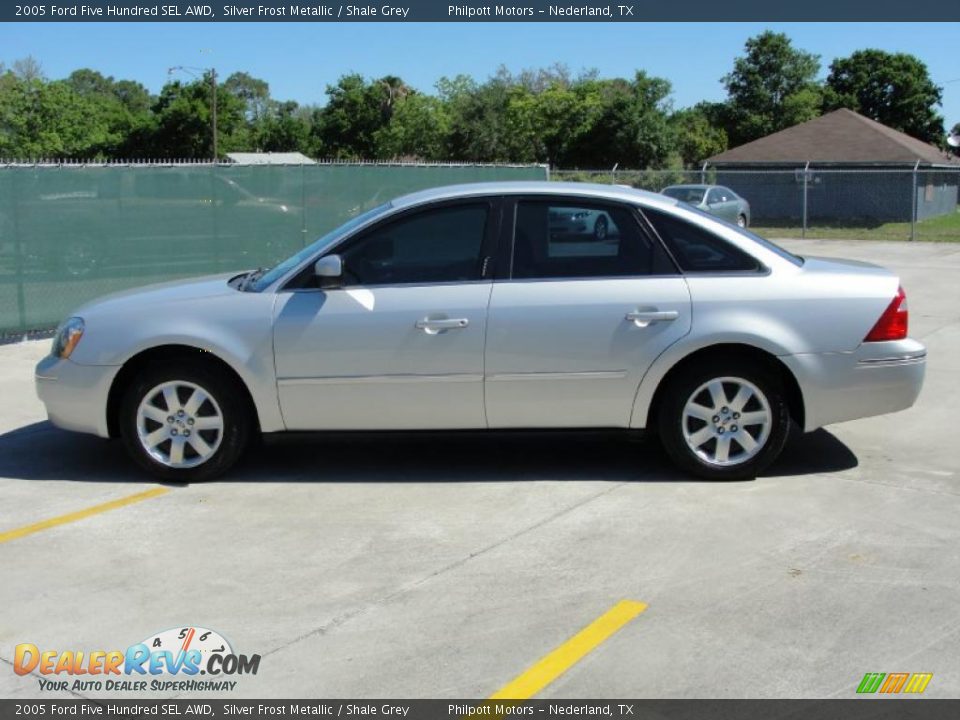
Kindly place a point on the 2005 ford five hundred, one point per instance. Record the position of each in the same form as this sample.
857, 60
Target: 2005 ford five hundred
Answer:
496, 306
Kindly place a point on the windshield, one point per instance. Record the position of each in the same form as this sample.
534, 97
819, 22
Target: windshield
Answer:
685, 194
278, 271
762, 241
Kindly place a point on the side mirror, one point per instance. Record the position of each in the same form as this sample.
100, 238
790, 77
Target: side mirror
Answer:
329, 269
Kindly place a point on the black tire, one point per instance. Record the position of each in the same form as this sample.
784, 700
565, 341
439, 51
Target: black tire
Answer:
742, 220
229, 397
600, 228
678, 391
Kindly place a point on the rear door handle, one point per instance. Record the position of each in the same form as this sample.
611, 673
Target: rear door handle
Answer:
432, 327
643, 318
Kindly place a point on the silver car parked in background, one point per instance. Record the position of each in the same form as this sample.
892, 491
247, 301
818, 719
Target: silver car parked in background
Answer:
714, 199
458, 308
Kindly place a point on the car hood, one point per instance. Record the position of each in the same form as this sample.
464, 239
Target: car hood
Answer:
175, 291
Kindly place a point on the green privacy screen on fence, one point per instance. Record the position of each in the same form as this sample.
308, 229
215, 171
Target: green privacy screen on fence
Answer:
71, 233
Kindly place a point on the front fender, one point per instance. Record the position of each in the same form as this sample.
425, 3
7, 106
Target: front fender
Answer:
237, 329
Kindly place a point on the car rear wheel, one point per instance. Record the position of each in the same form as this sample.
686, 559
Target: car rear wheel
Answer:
187, 423
600, 228
742, 220
724, 421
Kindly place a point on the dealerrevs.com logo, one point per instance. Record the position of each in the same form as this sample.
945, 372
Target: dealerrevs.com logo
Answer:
169, 661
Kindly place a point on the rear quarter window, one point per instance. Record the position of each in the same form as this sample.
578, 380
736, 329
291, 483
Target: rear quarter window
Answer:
697, 250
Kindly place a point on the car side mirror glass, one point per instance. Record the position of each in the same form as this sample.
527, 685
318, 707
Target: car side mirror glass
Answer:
329, 270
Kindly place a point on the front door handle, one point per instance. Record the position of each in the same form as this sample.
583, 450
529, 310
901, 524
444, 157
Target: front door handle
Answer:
432, 327
643, 318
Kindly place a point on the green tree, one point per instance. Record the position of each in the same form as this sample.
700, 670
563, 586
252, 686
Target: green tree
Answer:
418, 128
254, 92
356, 113
122, 107
696, 137
182, 125
772, 86
41, 119
626, 123
892, 88
281, 129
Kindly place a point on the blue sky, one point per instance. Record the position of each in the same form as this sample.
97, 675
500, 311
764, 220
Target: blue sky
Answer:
300, 59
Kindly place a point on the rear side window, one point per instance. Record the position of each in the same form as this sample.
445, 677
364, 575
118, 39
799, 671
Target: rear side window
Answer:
697, 250
572, 239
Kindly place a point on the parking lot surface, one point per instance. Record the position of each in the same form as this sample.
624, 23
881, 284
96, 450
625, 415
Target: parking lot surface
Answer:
415, 566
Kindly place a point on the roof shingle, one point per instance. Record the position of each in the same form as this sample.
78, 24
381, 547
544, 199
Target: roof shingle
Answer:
839, 137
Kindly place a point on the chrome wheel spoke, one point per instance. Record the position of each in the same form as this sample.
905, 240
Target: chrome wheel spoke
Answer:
746, 441
170, 397
722, 453
156, 437
741, 398
701, 436
155, 413
176, 449
758, 417
212, 422
196, 400
200, 445
699, 411
717, 394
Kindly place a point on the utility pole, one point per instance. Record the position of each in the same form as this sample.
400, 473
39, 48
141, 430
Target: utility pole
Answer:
213, 82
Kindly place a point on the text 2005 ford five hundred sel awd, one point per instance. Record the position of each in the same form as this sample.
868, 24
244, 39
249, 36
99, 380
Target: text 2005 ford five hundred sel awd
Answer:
475, 307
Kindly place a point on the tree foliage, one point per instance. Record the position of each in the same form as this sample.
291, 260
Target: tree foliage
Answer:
545, 115
892, 88
771, 87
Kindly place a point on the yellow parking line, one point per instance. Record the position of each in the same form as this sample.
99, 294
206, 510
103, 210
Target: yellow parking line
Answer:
554, 664
80, 514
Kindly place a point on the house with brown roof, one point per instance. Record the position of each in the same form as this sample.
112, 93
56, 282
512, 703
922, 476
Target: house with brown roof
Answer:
854, 169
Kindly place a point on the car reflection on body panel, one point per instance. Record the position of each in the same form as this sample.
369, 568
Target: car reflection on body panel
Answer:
715, 199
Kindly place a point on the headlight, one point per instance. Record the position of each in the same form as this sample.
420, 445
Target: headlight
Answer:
67, 337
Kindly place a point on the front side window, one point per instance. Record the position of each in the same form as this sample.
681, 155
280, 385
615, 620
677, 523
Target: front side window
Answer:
561, 239
437, 245
697, 250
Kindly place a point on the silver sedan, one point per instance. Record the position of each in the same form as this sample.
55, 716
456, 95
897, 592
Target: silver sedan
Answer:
461, 308
714, 199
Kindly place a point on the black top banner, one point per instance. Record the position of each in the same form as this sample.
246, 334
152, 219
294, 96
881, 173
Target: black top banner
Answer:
461, 11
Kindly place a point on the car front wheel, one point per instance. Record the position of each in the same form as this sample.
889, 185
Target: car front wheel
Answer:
184, 424
724, 421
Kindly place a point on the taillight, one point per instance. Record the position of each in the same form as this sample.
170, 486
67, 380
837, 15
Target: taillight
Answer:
892, 325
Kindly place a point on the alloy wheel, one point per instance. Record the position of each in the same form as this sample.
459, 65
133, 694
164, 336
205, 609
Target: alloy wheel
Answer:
726, 421
179, 424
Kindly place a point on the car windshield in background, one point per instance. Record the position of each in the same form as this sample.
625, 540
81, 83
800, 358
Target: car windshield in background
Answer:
278, 271
687, 195
762, 241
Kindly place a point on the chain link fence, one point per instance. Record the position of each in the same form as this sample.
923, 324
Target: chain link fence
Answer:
810, 202
72, 232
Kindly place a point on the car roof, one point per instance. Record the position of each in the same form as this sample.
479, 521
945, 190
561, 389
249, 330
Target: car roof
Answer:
691, 186
586, 190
